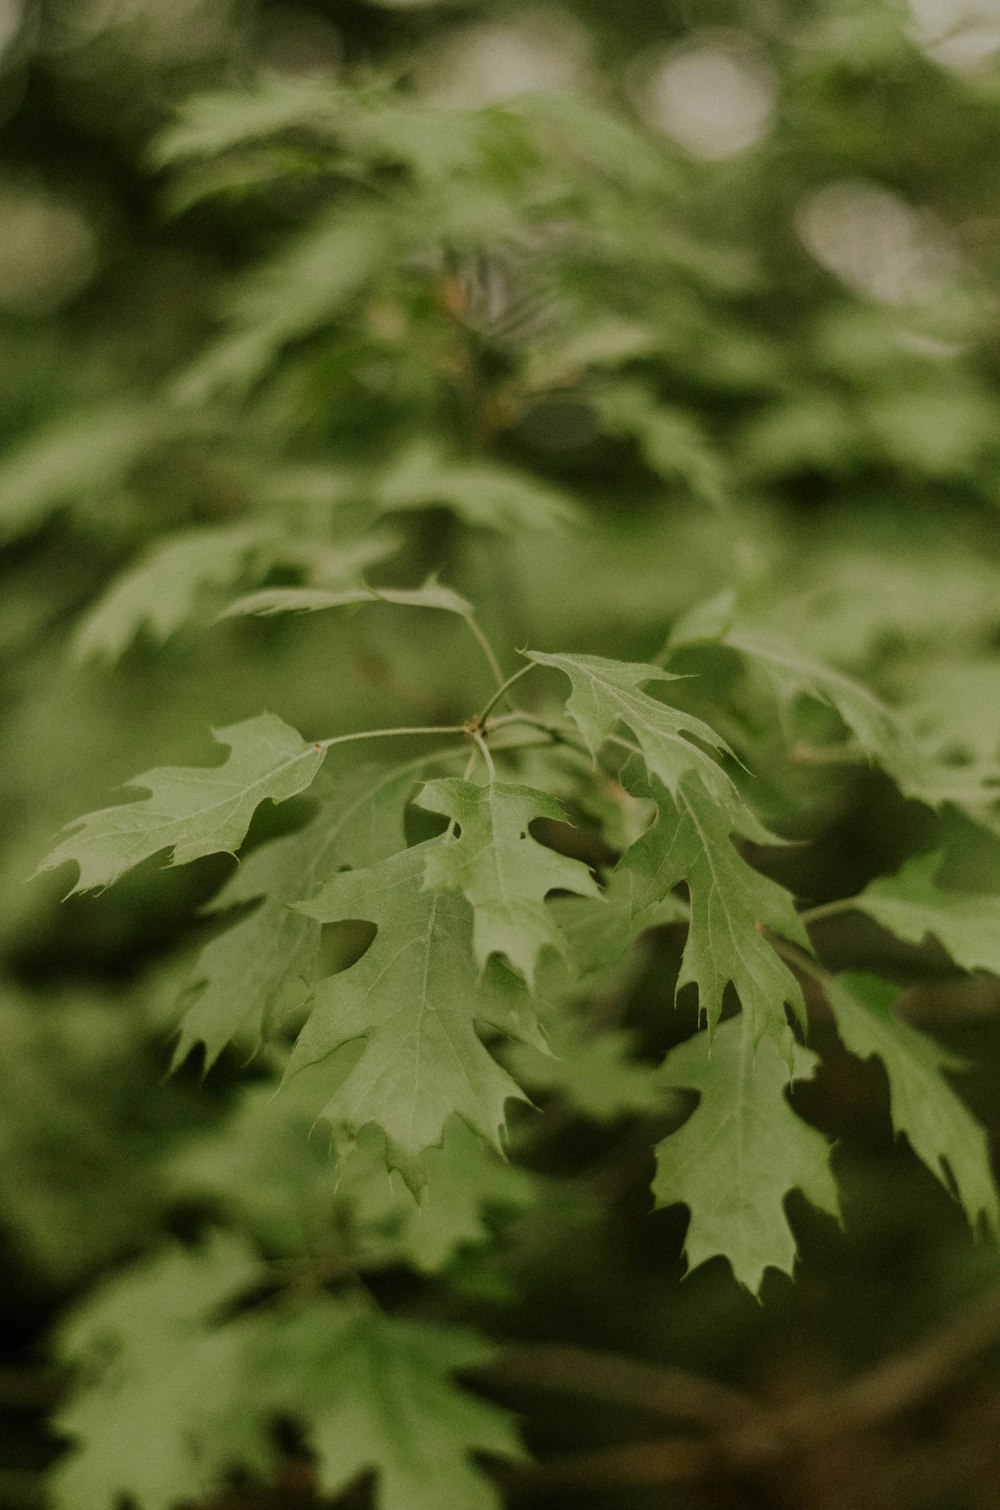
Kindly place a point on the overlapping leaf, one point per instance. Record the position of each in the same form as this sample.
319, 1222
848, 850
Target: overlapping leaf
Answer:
262, 967
266, 1171
192, 811
176, 1396
882, 734
310, 599
596, 1072
911, 905
937, 1124
487, 494
608, 693
741, 1152
162, 592
150, 1419
691, 841
414, 1005
494, 861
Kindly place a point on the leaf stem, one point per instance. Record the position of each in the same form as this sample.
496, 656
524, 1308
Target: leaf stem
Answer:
828, 909
343, 739
502, 691
557, 731
795, 955
484, 750
483, 642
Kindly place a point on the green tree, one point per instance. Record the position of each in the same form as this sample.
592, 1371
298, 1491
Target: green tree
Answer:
555, 456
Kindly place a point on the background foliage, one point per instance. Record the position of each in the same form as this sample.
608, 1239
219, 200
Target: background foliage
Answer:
661, 333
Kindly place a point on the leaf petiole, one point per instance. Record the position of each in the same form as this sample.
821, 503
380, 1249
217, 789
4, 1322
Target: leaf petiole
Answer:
502, 691
343, 739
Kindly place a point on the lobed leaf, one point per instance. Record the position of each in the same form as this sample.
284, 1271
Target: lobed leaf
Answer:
485, 494
88, 454
161, 593
741, 1152
192, 811
414, 1004
608, 693
912, 906
263, 967
937, 1124
176, 1396
150, 1420
377, 1393
494, 861
310, 599
691, 841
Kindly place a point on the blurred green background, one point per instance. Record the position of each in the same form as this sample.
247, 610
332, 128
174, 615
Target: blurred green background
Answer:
765, 357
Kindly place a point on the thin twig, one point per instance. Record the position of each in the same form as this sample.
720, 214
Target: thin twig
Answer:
633, 1466
556, 731
484, 750
828, 909
476, 630
343, 739
626, 1383
743, 1435
502, 691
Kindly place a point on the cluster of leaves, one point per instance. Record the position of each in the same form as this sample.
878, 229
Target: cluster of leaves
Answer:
500, 376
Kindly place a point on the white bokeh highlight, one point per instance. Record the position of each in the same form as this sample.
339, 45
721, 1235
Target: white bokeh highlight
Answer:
714, 97
875, 242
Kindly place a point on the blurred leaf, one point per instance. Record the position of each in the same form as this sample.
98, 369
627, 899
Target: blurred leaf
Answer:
88, 454
937, 1124
484, 494
310, 599
910, 905
162, 593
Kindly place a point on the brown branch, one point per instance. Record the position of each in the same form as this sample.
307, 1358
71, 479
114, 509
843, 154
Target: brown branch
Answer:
742, 1434
637, 1465
901, 1382
668, 1393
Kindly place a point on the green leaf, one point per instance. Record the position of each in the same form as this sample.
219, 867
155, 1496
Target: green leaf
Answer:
309, 599
606, 143
161, 593
264, 1170
671, 441
193, 811
263, 967
741, 1152
465, 1181
596, 1072
881, 733
607, 693
212, 123
936, 1122
377, 1393
146, 1420
174, 1396
911, 906
414, 1000
691, 841
503, 871
485, 494
89, 454
874, 726
292, 296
